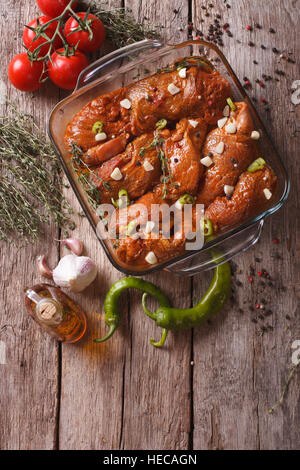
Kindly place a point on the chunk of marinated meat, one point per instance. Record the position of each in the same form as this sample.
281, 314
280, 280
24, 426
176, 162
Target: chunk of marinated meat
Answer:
139, 172
253, 192
106, 108
132, 251
181, 149
103, 152
231, 155
202, 93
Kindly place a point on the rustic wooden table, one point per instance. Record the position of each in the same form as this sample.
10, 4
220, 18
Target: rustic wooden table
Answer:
125, 394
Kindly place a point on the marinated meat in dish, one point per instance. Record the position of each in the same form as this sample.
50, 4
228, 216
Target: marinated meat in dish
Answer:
135, 109
134, 250
180, 150
172, 138
249, 198
141, 163
139, 172
231, 154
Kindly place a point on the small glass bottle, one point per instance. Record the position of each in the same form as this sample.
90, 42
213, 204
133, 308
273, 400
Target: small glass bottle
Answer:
56, 313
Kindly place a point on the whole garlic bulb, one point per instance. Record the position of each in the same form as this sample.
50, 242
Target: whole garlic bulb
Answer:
74, 272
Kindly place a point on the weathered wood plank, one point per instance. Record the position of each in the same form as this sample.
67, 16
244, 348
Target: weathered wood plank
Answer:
157, 382
92, 374
239, 374
29, 379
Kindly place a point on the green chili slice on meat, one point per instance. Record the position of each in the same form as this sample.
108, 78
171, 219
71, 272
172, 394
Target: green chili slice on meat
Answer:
258, 164
97, 127
122, 201
231, 104
186, 199
206, 226
161, 124
131, 227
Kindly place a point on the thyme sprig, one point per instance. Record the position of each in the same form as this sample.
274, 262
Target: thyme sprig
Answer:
30, 185
120, 25
292, 372
186, 62
158, 143
84, 174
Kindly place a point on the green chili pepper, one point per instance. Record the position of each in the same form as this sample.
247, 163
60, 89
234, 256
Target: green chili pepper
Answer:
166, 317
161, 124
206, 226
112, 315
258, 164
231, 104
97, 127
213, 300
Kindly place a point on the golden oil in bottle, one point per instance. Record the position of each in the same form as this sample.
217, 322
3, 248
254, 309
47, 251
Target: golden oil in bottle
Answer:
56, 313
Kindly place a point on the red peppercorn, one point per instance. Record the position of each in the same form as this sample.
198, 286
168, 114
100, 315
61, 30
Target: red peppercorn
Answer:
261, 84
260, 273
250, 278
275, 240
197, 38
263, 100
256, 305
247, 83
248, 27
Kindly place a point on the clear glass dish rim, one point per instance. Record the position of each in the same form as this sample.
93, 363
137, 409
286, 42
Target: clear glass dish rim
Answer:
189, 254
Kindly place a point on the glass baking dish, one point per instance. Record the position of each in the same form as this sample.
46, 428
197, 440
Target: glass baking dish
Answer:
130, 64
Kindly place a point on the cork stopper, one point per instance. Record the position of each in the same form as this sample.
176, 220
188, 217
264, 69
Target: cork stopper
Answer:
48, 310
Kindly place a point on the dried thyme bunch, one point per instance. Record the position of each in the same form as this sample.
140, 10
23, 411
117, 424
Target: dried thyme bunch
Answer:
84, 174
30, 186
121, 27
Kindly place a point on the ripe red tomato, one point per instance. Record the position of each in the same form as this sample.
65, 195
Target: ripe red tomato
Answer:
64, 71
54, 8
24, 75
82, 37
29, 35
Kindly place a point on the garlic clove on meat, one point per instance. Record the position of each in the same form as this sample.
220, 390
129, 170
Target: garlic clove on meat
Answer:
75, 272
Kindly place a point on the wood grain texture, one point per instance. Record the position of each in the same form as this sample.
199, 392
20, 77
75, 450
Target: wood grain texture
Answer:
29, 379
92, 374
157, 382
245, 372
125, 394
